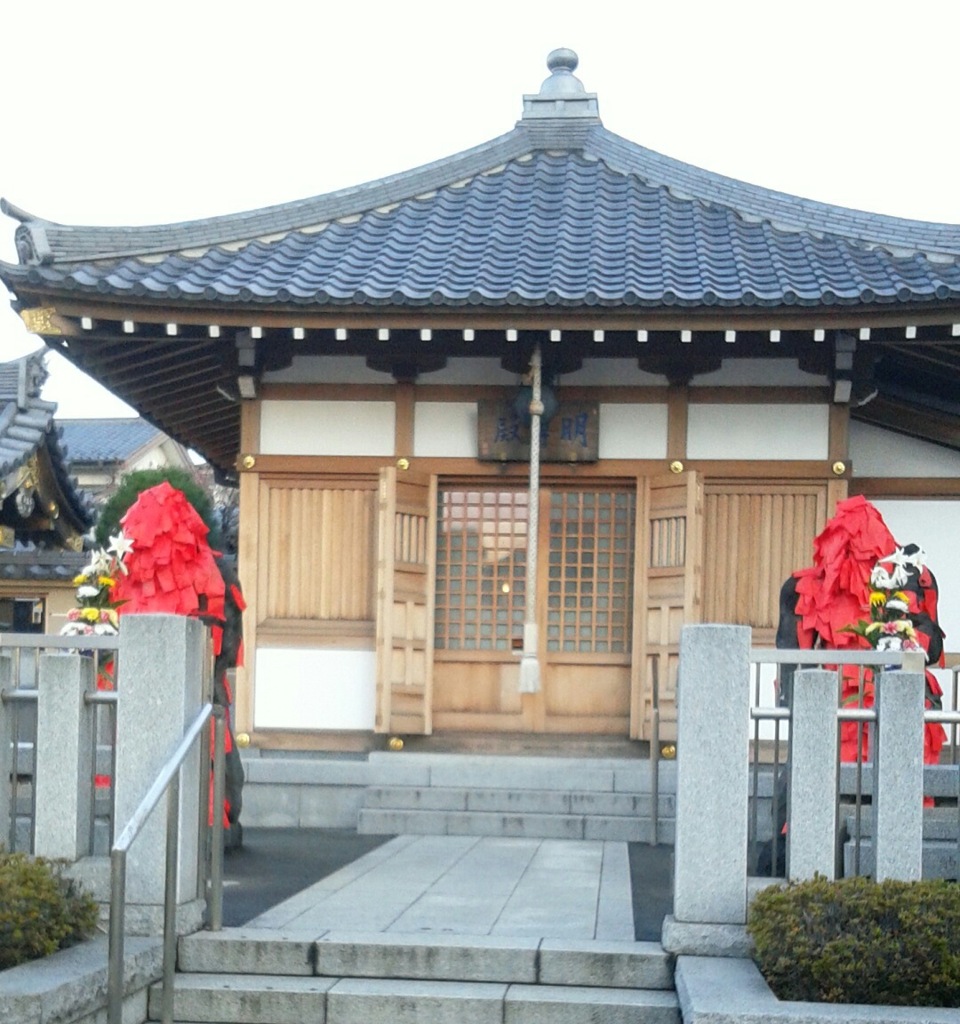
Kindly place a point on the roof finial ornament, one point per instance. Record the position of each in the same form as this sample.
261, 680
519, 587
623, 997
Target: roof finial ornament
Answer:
562, 63
562, 94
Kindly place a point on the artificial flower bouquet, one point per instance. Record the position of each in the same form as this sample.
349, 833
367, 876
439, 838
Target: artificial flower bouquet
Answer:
95, 613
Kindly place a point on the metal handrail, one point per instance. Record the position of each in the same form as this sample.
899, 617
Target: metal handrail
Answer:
167, 781
655, 754
823, 656
34, 641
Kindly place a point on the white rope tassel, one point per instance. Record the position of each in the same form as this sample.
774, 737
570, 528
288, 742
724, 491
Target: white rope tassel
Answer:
529, 666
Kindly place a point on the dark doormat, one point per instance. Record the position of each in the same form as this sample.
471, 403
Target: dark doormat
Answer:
651, 882
276, 863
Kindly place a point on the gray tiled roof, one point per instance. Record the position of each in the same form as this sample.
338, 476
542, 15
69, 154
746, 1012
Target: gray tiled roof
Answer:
104, 440
30, 563
27, 426
26, 419
558, 211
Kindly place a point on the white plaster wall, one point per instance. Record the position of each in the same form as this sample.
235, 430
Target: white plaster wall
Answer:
767, 373
470, 371
611, 373
934, 525
310, 689
327, 428
633, 431
878, 452
445, 430
787, 432
327, 370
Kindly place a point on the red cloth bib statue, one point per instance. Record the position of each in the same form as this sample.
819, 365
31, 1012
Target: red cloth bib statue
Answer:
856, 563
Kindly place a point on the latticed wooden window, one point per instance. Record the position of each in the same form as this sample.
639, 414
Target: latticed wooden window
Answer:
481, 569
589, 605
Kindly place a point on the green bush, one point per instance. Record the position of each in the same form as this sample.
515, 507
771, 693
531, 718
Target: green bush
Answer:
116, 506
858, 941
40, 910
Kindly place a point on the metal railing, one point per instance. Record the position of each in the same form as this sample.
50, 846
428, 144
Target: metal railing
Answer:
168, 782
24, 650
655, 753
775, 765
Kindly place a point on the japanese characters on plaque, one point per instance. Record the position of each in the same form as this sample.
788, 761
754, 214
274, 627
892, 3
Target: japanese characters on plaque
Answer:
570, 435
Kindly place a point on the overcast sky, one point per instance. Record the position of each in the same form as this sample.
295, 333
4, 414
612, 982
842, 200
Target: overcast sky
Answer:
136, 113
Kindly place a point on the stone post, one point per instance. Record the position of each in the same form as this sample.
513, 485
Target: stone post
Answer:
713, 736
63, 757
898, 788
814, 769
159, 686
6, 750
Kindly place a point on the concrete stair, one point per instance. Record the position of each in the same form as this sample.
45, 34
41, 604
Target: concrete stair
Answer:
528, 797
941, 843
256, 976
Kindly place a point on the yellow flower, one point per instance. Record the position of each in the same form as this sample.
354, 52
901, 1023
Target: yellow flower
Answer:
90, 614
877, 599
106, 581
872, 627
79, 580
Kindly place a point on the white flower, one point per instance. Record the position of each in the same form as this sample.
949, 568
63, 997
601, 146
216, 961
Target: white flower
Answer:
87, 591
99, 564
120, 546
76, 629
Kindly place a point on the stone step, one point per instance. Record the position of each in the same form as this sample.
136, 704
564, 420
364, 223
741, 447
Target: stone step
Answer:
328, 792
940, 858
436, 957
517, 773
938, 823
524, 801
372, 821
269, 999
243, 999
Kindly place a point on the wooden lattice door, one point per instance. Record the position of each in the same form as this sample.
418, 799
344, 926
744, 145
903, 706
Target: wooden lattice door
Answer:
669, 565
406, 559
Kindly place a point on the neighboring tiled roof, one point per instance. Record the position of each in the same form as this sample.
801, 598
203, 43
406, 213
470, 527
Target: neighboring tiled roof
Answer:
557, 212
25, 418
32, 563
105, 440
26, 426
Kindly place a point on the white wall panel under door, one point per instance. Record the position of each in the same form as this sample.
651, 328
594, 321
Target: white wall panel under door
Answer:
300, 689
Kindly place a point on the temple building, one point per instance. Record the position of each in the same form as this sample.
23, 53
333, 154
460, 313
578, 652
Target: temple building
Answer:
43, 512
102, 451
503, 423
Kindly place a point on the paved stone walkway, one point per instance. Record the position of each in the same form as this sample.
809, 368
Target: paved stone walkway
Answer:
469, 885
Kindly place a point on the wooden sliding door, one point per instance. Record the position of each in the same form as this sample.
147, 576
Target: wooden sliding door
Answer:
584, 597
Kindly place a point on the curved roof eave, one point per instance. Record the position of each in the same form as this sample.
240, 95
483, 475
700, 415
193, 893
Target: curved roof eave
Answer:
898, 235
46, 242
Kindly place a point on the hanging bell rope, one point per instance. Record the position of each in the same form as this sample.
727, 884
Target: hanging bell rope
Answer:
529, 665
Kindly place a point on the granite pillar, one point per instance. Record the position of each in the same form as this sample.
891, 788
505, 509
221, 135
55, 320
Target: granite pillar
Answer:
713, 700
161, 668
898, 792
6, 749
63, 757
814, 769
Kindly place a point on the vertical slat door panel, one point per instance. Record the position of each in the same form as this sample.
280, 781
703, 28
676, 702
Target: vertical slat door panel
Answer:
406, 571
669, 570
316, 549
756, 535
